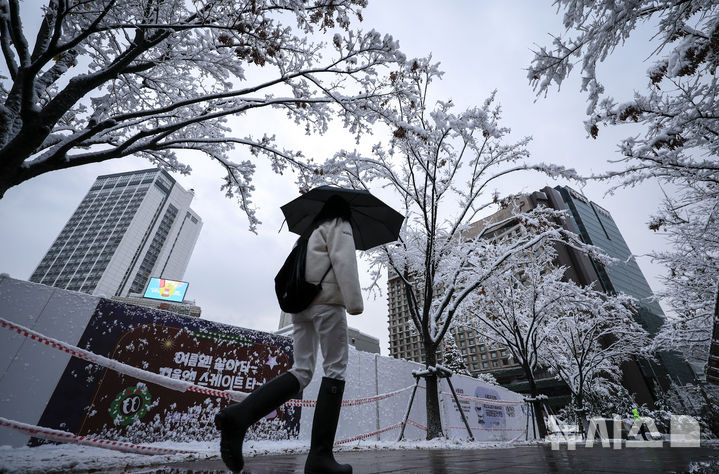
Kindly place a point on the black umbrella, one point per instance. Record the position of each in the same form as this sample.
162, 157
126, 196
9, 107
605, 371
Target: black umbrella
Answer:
373, 222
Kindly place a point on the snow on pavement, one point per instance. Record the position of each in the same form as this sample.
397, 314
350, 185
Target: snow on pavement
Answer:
75, 458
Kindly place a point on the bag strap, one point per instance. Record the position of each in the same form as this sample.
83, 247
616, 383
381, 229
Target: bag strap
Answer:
328, 270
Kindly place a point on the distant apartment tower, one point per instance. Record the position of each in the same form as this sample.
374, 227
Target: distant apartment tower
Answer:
404, 342
597, 227
128, 227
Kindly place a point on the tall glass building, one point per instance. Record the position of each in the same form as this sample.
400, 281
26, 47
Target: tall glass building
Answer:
128, 227
596, 227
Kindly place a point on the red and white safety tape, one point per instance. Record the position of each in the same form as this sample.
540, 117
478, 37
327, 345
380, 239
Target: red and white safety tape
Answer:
368, 435
416, 425
147, 376
174, 384
349, 402
486, 401
65, 437
485, 429
383, 430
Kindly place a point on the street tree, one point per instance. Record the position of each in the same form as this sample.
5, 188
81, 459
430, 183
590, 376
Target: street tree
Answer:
590, 339
520, 306
107, 79
690, 287
441, 166
453, 359
679, 141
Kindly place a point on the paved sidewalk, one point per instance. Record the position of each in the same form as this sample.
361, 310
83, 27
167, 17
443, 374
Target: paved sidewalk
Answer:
510, 460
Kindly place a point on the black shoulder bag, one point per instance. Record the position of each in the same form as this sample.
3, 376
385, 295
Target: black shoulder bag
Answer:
294, 293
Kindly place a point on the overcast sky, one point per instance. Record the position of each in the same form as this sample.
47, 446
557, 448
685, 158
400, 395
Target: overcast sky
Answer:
481, 46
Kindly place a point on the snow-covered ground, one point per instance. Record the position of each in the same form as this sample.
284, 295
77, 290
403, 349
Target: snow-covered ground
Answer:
75, 458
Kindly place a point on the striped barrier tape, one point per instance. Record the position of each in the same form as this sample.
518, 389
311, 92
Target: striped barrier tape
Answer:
368, 435
416, 425
174, 384
348, 402
65, 437
144, 375
486, 401
485, 429
183, 386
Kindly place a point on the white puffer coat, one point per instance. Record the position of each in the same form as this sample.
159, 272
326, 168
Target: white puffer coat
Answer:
332, 243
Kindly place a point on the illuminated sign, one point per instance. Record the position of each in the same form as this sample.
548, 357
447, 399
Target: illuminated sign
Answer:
166, 290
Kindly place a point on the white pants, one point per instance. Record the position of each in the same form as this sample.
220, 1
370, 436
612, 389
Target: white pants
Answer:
325, 326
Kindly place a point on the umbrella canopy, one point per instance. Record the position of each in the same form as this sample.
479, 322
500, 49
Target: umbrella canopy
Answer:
373, 222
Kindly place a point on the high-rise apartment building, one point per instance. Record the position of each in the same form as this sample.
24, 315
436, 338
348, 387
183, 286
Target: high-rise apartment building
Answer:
128, 227
404, 342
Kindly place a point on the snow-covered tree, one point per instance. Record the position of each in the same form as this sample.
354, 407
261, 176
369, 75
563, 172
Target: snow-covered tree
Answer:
678, 110
679, 144
453, 359
487, 378
442, 165
589, 339
691, 285
107, 79
517, 304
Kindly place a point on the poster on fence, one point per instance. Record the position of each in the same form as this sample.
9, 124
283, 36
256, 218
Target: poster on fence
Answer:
92, 400
492, 412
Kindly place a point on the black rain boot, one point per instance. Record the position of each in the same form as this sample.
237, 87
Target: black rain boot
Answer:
234, 420
324, 426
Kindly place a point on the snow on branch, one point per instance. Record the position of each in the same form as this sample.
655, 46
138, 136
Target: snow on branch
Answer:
679, 142
153, 78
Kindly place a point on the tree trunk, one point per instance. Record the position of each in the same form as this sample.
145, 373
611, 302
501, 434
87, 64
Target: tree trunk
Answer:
579, 413
716, 306
580, 400
434, 419
10, 176
541, 426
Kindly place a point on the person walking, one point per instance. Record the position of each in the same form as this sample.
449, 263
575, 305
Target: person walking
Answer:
330, 260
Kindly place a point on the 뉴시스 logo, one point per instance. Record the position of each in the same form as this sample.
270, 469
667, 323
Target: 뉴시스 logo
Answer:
684, 431
130, 405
